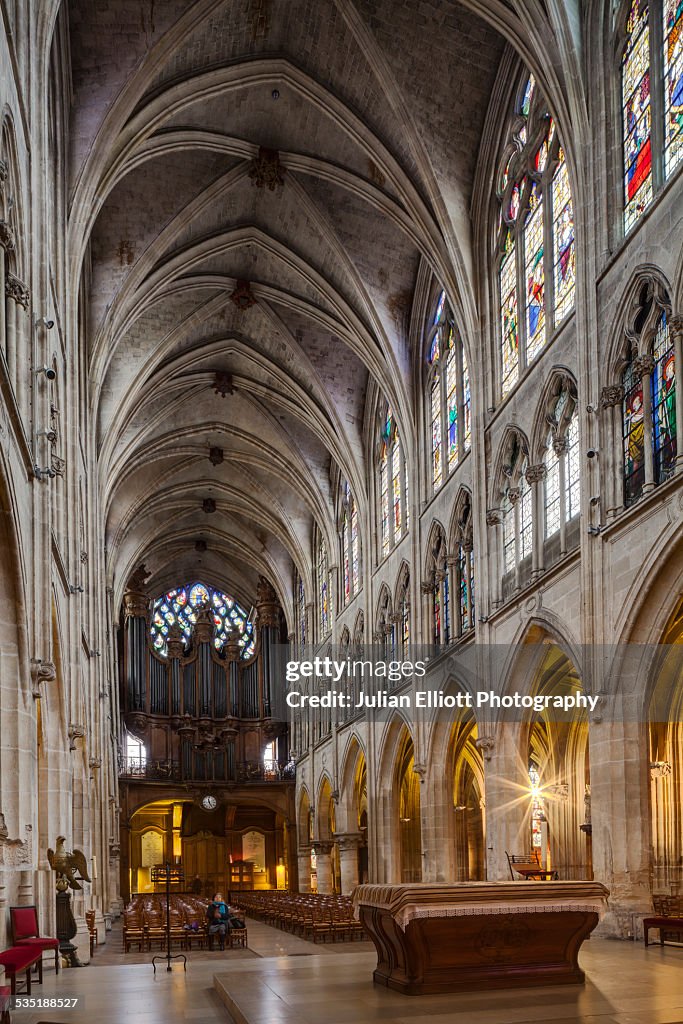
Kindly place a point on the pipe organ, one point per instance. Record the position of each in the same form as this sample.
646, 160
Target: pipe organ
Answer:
202, 714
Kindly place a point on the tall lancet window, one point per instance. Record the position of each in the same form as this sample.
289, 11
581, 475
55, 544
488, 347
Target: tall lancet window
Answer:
651, 94
536, 267
649, 398
393, 492
449, 395
323, 583
562, 480
350, 542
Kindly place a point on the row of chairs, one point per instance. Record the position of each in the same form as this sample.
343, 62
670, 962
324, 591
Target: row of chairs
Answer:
144, 924
313, 916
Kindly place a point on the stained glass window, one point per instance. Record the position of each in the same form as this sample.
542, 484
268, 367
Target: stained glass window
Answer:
466, 405
552, 490
450, 396
673, 83
404, 611
572, 472
446, 607
564, 253
396, 486
537, 807
355, 547
301, 602
323, 574
536, 287
452, 407
509, 538
663, 402
345, 555
525, 515
436, 431
636, 119
437, 614
535, 275
509, 326
181, 605
633, 436
466, 579
393, 480
350, 542
384, 496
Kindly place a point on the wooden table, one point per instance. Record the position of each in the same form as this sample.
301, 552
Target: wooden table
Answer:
478, 935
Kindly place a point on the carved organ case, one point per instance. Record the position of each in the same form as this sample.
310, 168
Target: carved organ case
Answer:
196, 685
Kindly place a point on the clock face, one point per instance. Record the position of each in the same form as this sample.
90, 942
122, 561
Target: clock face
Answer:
209, 803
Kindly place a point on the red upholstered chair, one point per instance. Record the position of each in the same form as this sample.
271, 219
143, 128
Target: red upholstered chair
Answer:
25, 932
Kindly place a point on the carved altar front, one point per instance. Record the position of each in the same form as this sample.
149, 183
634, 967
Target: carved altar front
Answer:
478, 935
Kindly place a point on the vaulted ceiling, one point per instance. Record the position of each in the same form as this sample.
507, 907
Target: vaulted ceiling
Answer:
376, 110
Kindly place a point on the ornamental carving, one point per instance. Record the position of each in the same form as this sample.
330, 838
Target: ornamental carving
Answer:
613, 394
41, 672
560, 446
266, 171
267, 604
535, 473
6, 236
643, 365
222, 383
494, 517
486, 744
216, 456
204, 623
209, 506
135, 601
4, 174
427, 588
243, 297
17, 291
676, 324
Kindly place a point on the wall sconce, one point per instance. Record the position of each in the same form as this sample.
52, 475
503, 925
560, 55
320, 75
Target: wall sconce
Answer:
46, 471
43, 321
660, 769
75, 588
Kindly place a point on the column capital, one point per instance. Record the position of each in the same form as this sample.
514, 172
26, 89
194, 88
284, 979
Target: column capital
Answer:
322, 847
348, 840
612, 394
17, 290
535, 473
494, 517
643, 365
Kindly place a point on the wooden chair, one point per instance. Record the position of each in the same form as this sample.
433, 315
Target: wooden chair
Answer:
133, 930
668, 918
25, 932
529, 867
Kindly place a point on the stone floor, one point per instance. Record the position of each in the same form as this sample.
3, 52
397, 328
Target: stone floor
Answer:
285, 980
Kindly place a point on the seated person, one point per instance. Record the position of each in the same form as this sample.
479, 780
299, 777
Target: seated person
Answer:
221, 917
217, 918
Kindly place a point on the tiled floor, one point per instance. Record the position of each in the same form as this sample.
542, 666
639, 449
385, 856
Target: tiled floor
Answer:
284, 980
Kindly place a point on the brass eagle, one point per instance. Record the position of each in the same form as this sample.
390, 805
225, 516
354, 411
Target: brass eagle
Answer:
66, 864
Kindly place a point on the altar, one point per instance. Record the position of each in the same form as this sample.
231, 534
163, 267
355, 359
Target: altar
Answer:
478, 935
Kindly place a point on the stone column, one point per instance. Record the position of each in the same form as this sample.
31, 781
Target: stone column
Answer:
304, 862
347, 844
610, 482
19, 293
494, 519
676, 327
535, 475
620, 824
323, 860
505, 783
643, 367
457, 625
427, 591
